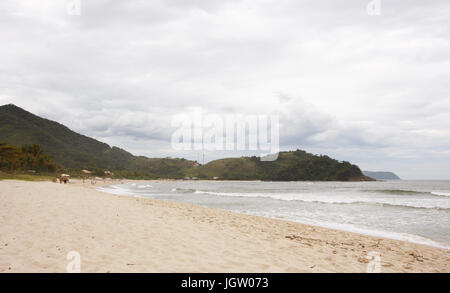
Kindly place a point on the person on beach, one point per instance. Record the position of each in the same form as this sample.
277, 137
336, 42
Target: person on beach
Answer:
63, 178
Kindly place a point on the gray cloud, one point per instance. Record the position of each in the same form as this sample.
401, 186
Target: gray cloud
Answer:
371, 90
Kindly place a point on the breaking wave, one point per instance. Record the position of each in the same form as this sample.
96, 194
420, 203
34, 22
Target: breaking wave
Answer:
339, 199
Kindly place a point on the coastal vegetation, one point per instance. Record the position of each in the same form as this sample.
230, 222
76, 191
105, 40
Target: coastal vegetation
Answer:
31, 158
34, 144
290, 166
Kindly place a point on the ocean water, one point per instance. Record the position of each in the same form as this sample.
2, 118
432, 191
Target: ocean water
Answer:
416, 211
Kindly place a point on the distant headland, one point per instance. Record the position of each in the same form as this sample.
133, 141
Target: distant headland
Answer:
381, 175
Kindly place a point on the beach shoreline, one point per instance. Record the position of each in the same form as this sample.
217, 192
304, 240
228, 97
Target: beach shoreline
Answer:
43, 221
111, 188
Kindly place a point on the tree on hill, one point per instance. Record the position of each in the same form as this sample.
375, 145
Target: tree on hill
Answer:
9, 154
32, 154
28, 157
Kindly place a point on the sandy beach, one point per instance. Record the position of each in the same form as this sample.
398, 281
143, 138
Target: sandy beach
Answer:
41, 222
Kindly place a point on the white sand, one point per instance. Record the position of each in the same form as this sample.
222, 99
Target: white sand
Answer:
40, 222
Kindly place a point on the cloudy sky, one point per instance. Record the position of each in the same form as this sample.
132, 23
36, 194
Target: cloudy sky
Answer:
371, 89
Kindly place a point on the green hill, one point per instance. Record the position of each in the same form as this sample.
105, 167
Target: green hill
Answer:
75, 152
290, 166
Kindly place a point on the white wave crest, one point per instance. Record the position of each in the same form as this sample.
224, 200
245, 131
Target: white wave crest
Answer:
341, 199
441, 193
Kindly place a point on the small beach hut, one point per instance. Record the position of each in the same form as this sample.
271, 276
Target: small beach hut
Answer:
86, 172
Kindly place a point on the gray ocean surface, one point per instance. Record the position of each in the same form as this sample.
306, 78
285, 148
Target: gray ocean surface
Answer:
416, 211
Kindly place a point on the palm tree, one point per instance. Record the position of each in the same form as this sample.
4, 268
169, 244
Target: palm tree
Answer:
33, 153
10, 154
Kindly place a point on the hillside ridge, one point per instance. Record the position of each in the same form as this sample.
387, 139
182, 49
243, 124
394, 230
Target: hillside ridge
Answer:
76, 151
